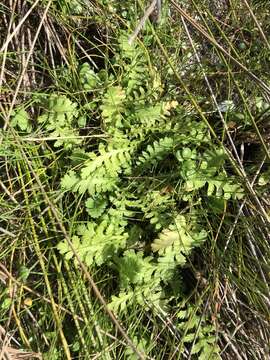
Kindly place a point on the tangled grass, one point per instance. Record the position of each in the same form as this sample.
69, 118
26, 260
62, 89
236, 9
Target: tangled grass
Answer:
213, 57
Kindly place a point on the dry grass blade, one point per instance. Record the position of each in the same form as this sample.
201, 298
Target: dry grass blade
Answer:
25, 65
146, 15
257, 24
17, 28
10, 353
202, 31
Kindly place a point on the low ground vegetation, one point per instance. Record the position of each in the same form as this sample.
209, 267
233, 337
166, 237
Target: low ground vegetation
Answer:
134, 207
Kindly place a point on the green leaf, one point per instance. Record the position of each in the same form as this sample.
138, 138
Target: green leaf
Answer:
88, 77
69, 181
95, 206
24, 273
119, 303
82, 121
59, 118
264, 179
113, 105
21, 120
6, 303
166, 238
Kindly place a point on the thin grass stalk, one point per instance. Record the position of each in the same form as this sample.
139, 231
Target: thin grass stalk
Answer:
42, 264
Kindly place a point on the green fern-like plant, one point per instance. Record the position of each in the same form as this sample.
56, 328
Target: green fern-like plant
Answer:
134, 64
21, 120
88, 78
143, 276
198, 331
158, 208
199, 170
100, 174
142, 188
96, 243
174, 243
113, 107
155, 152
59, 119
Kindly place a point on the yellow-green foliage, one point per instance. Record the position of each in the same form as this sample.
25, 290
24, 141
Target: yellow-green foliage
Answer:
140, 188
